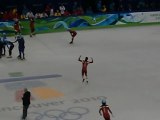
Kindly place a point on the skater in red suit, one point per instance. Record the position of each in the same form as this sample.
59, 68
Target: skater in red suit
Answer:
32, 27
84, 67
73, 34
17, 27
105, 110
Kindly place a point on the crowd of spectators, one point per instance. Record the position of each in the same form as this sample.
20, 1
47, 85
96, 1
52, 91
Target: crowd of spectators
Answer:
51, 8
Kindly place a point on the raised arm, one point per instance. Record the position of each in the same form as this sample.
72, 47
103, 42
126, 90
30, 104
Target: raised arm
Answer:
79, 59
92, 60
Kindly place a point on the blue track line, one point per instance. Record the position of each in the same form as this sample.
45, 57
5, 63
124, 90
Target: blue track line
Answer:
15, 79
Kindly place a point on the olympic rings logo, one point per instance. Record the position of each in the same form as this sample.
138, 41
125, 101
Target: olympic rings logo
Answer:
72, 113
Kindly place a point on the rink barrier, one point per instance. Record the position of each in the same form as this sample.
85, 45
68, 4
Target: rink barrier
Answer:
91, 21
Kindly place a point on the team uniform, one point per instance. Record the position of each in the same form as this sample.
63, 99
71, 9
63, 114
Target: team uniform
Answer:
32, 27
17, 27
73, 34
105, 110
84, 67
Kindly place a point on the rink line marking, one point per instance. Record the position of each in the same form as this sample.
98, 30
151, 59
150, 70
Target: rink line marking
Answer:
29, 78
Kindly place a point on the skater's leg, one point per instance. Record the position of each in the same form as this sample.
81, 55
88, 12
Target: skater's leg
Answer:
4, 50
72, 40
10, 51
83, 75
23, 55
21, 52
25, 108
86, 76
32, 32
19, 56
73, 36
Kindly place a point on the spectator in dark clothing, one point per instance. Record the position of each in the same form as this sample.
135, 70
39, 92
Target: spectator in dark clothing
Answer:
26, 102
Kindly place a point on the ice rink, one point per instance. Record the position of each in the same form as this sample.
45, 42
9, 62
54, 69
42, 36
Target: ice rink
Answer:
126, 71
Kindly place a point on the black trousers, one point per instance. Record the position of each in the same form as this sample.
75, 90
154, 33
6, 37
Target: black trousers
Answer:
25, 108
21, 52
10, 50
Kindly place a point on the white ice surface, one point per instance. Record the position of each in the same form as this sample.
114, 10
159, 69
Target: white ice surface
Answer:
126, 70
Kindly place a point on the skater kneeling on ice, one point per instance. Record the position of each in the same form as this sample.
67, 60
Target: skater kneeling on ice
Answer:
21, 46
10, 47
6, 42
